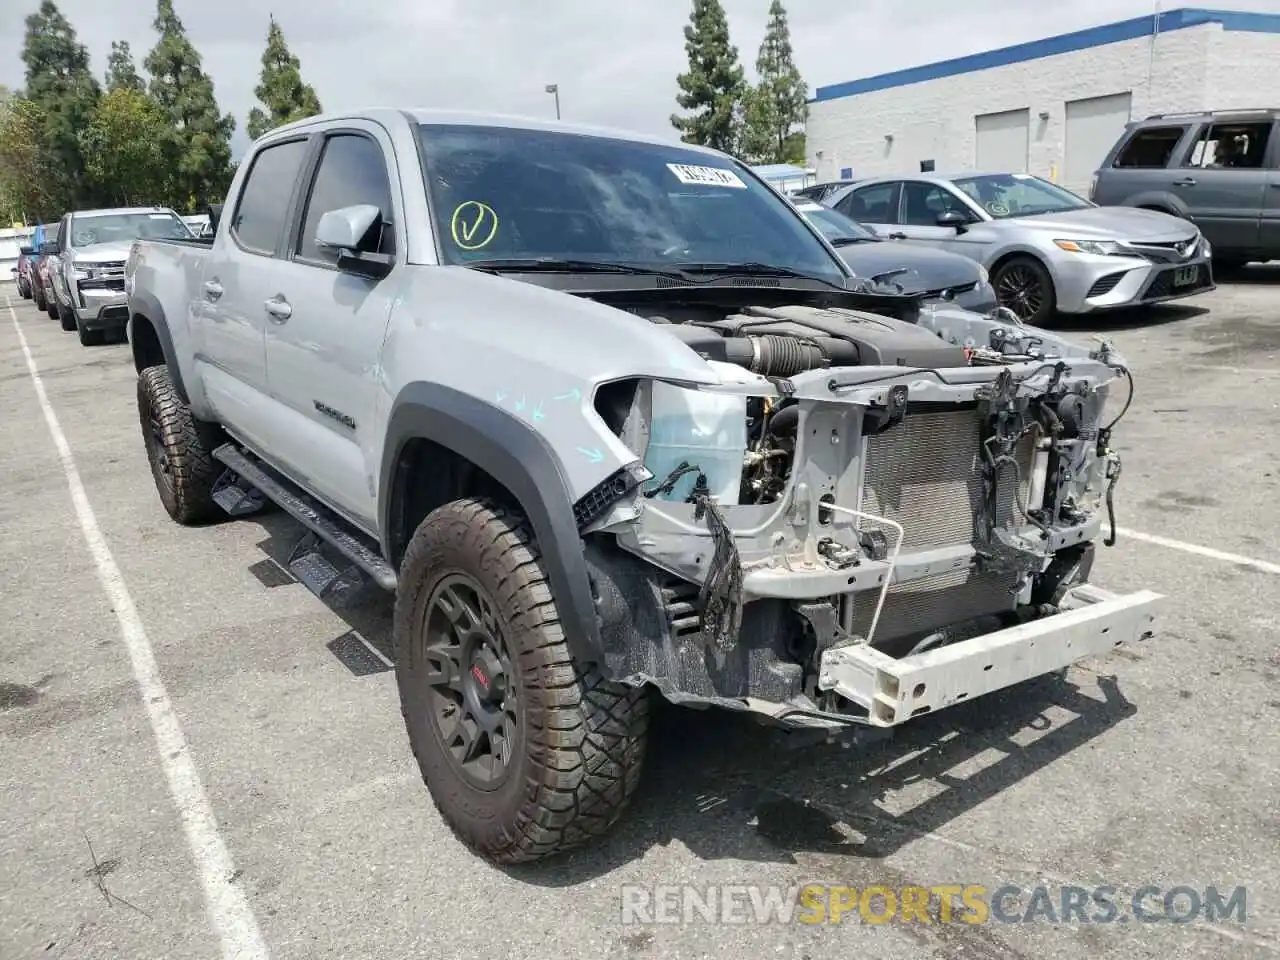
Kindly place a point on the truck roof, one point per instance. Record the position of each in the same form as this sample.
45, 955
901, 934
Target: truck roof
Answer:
392, 115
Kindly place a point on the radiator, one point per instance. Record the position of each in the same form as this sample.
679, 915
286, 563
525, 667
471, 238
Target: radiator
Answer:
925, 475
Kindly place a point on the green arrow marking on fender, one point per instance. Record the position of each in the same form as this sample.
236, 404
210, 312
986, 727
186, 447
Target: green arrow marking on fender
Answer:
537, 412
595, 456
575, 395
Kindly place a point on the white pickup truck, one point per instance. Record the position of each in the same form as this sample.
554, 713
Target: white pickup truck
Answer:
612, 419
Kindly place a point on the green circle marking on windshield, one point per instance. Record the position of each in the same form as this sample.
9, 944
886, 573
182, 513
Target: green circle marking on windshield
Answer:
997, 209
474, 225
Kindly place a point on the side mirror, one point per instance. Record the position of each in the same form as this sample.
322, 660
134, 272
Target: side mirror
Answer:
954, 218
27, 251
347, 231
49, 248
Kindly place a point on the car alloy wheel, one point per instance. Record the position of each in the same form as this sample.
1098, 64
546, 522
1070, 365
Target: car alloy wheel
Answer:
1021, 291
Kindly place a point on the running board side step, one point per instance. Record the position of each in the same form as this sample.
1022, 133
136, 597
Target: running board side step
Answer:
318, 519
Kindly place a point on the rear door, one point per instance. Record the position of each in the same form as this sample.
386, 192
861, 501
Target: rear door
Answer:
325, 335
875, 205
1223, 180
242, 272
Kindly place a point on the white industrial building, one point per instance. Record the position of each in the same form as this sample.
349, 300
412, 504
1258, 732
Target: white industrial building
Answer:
1051, 107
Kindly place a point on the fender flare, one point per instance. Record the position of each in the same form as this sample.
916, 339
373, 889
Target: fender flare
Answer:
144, 304
516, 456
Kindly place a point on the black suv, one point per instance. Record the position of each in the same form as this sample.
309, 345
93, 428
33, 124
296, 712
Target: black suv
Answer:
1220, 169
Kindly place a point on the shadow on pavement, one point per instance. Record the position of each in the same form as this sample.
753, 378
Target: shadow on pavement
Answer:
1128, 318
1254, 273
728, 788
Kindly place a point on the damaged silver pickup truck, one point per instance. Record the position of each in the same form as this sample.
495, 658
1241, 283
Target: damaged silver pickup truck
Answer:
611, 418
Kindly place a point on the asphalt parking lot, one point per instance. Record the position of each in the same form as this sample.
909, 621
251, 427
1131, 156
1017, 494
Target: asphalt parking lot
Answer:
1158, 765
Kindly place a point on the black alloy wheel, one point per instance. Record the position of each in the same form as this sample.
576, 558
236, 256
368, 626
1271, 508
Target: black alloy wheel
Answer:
473, 688
1024, 286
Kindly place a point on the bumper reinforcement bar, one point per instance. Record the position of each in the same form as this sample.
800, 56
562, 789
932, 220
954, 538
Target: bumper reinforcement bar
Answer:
893, 691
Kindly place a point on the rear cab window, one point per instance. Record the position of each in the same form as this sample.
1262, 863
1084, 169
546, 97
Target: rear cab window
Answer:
1150, 148
263, 205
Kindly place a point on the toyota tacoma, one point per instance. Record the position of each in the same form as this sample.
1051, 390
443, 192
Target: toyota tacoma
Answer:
612, 419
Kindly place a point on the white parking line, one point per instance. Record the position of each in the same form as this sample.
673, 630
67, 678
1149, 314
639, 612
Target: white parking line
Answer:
227, 907
1263, 565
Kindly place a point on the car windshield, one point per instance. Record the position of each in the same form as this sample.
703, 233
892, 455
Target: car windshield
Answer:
509, 194
834, 224
1007, 195
86, 230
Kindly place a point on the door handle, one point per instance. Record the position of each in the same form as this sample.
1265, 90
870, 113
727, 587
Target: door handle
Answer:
897, 236
1185, 182
278, 309
212, 290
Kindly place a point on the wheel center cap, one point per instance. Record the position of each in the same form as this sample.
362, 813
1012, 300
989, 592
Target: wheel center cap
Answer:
486, 674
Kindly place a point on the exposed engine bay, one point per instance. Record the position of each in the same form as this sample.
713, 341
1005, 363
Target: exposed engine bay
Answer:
778, 343
858, 482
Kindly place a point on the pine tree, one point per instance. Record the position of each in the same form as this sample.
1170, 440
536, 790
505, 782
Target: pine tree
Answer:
777, 104
121, 73
61, 86
198, 142
713, 85
281, 91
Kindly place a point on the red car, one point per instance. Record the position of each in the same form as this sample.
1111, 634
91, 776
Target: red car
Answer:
25, 256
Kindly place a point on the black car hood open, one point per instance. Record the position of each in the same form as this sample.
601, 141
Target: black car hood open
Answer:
927, 269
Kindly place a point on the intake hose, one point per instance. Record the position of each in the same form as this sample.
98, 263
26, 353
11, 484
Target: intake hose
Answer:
779, 356
784, 422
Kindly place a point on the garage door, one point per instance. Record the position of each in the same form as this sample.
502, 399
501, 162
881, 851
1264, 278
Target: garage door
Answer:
1002, 141
1093, 126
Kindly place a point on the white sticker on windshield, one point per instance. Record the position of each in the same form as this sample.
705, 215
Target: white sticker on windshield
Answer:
1020, 176
706, 176
158, 216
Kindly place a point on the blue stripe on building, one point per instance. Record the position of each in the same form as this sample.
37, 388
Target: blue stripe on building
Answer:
1063, 43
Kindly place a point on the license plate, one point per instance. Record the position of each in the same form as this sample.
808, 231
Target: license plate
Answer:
1185, 276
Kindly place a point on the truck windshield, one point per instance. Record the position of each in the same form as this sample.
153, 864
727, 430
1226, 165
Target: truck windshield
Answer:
502, 193
88, 229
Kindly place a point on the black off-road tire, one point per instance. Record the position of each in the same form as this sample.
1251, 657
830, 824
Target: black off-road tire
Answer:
51, 308
38, 295
579, 751
178, 449
68, 321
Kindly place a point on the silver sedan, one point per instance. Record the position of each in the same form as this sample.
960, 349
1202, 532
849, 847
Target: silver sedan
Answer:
1047, 250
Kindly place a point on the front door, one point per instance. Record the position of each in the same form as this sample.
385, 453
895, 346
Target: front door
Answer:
325, 330
242, 271
1223, 182
1269, 228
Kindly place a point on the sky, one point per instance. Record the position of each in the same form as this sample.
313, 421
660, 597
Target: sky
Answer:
615, 67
